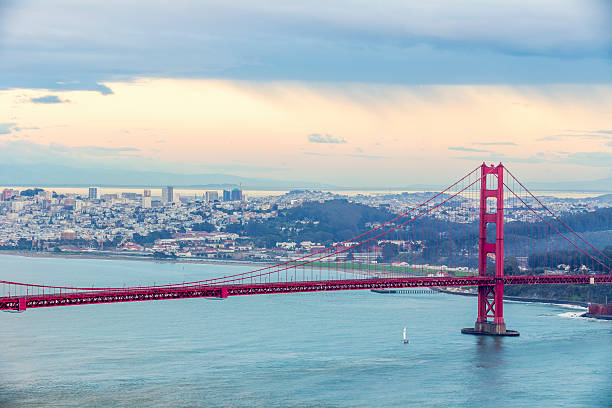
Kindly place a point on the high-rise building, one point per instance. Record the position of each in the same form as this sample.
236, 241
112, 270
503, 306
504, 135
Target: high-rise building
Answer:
131, 196
236, 194
211, 196
93, 193
227, 195
7, 194
146, 201
168, 195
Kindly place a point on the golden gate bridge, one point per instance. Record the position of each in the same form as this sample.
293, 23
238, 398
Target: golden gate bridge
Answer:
458, 227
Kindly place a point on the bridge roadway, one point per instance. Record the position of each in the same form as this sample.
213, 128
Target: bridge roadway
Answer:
225, 290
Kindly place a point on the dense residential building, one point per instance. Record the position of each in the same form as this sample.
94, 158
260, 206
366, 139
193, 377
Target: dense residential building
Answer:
227, 195
137, 224
93, 193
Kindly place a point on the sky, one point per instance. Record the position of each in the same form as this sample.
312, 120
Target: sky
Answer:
348, 93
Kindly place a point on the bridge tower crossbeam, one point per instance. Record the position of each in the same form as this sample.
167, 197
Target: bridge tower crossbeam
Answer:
491, 297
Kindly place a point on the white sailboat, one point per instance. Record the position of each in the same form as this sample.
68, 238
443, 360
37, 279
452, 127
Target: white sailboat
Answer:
405, 340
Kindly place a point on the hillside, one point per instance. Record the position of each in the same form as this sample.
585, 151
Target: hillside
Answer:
326, 222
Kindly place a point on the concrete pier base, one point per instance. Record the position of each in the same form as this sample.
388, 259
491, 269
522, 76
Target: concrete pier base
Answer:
489, 329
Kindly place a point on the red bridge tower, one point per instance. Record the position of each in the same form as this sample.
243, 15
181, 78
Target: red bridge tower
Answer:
491, 297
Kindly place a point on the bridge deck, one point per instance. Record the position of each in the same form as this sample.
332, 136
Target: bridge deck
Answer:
222, 291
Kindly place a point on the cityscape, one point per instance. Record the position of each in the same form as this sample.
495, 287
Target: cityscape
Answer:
194, 226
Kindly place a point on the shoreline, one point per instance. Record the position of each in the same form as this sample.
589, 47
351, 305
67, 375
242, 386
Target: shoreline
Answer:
570, 304
522, 299
112, 257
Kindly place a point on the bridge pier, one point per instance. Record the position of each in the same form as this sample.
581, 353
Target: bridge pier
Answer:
491, 297
490, 329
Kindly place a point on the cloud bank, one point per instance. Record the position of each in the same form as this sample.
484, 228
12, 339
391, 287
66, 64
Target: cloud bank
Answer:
434, 42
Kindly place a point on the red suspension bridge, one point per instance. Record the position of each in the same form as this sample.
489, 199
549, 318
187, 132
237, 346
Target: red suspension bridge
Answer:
454, 238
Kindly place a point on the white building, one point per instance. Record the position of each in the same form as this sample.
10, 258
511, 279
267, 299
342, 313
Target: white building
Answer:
168, 195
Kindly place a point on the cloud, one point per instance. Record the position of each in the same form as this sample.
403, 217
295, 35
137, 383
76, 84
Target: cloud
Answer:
327, 138
356, 155
593, 159
594, 134
494, 143
49, 99
549, 138
95, 151
505, 42
366, 156
24, 151
498, 157
103, 89
19, 128
589, 159
467, 149
6, 128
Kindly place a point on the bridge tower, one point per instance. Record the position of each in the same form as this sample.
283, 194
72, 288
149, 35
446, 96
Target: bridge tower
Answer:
491, 297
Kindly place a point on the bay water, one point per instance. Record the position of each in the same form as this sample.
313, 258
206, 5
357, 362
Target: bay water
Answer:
332, 349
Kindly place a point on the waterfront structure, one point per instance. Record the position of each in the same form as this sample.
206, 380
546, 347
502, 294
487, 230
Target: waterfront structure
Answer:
68, 235
491, 297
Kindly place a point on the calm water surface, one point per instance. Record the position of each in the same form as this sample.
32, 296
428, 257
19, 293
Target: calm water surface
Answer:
303, 350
